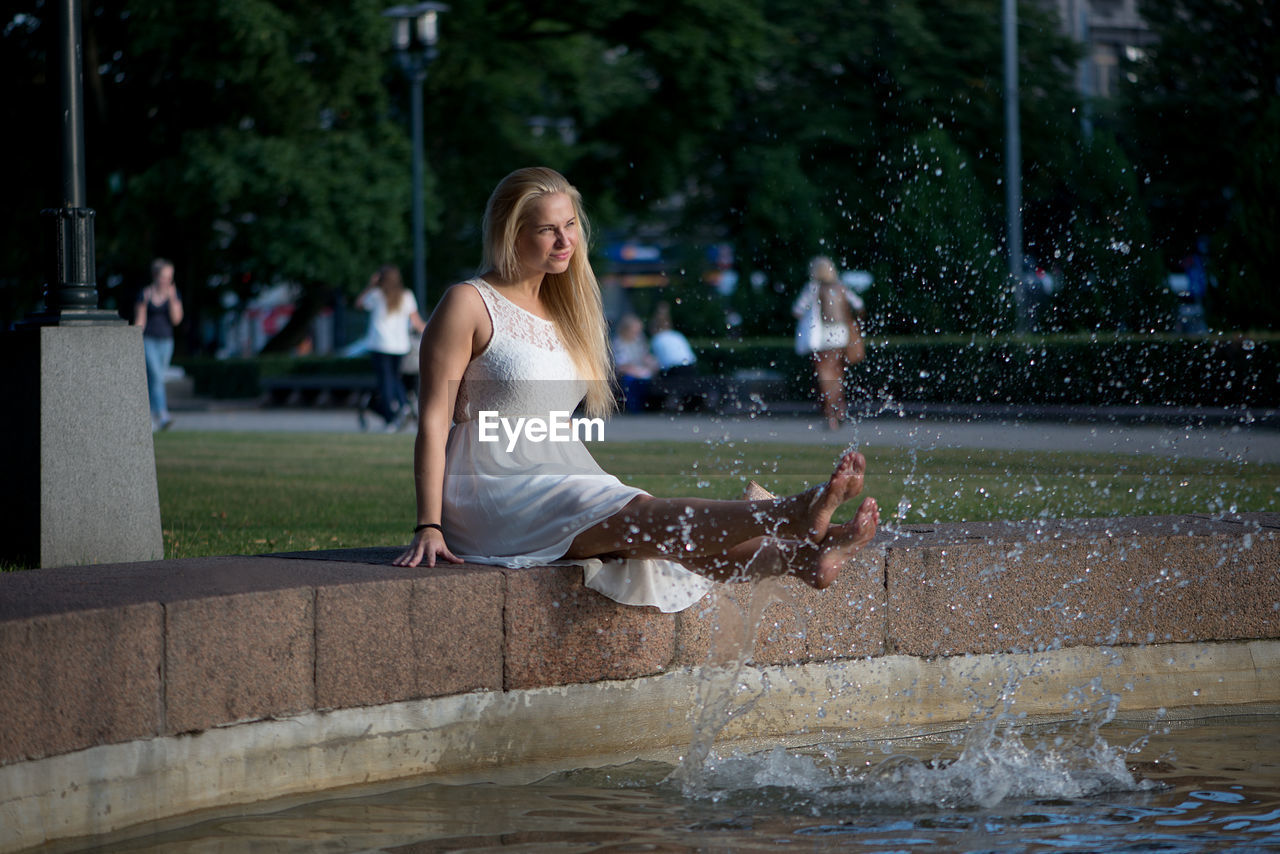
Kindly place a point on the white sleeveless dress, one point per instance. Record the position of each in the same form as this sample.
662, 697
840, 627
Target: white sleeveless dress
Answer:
520, 503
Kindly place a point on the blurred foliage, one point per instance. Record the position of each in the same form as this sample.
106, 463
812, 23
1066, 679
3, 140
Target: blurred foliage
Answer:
1083, 369
265, 141
1200, 114
247, 140
1111, 276
942, 270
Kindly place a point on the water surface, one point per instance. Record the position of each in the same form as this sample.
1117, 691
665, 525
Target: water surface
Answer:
1207, 784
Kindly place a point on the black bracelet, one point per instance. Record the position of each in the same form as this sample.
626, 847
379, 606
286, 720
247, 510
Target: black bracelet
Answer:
425, 525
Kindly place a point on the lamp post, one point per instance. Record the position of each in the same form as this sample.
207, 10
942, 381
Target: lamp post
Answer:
71, 291
80, 474
414, 34
1013, 161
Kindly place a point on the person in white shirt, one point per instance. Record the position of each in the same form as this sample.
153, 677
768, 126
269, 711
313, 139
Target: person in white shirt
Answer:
669, 347
827, 313
393, 311
633, 364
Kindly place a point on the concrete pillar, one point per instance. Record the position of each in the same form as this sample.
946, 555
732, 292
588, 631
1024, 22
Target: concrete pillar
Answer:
80, 482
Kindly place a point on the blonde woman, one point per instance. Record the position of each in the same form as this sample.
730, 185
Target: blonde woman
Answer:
527, 339
393, 311
828, 330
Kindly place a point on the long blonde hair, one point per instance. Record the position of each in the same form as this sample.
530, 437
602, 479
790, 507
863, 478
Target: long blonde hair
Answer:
833, 303
572, 298
392, 285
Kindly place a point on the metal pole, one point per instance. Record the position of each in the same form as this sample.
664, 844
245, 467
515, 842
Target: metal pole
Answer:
71, 289
419, 224
72, 91
1013, 159
1084, 75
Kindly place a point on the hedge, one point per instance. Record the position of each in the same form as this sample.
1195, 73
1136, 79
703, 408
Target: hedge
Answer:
1229, 371
242, 377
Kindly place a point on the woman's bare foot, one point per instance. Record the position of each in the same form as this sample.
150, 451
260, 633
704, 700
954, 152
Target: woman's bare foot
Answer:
823, 501
839, 544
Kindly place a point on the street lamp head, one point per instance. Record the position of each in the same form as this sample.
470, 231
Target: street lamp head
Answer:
415, 26
414, 33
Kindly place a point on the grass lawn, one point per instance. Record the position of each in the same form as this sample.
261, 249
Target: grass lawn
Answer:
236, 493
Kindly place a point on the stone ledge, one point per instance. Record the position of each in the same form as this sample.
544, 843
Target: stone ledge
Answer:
1089, 583
105, 654
520, 736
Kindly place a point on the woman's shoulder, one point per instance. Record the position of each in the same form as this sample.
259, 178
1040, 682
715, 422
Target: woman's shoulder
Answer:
466, 290
807, 293
463, 297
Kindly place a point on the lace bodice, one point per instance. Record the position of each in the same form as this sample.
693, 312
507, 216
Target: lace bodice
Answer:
525, 370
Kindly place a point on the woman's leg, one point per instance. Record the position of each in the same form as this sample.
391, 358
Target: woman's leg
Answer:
157, 352
816, 564
634, 390
385, 379
401, 401
166, 357
828, 366
715, 536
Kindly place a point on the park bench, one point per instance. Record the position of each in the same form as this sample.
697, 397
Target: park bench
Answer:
741, 391
315, 390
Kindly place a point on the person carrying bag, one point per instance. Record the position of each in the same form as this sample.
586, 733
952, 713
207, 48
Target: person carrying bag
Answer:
828, 330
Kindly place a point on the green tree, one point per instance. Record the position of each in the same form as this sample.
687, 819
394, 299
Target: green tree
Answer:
259, 141
246, 139
941, 272
624, 97
1110, 275
1249, 242
255, 142
811, 159
1202, 99
26, 112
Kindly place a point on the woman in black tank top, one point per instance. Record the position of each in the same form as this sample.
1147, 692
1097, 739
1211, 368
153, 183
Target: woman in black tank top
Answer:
158, 312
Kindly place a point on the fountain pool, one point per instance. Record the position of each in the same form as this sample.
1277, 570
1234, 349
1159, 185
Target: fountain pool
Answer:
1134, 783
581, 710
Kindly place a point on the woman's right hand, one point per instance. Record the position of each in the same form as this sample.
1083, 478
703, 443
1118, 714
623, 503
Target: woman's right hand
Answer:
428, 544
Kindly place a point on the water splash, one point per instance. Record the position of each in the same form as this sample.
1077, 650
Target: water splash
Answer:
998, 760
997, 757
718, 703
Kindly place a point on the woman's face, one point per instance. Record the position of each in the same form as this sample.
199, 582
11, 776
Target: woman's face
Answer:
549, 237
164, 276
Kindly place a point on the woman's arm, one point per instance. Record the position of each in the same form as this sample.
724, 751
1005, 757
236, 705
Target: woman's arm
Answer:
804, 302
459, 329
175, 307
858, 307
364, 294
140, 308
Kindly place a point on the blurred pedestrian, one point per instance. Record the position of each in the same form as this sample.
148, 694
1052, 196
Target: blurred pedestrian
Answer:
670, 348
679, 382
393, 311
633, 364
158, 311
828, 330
